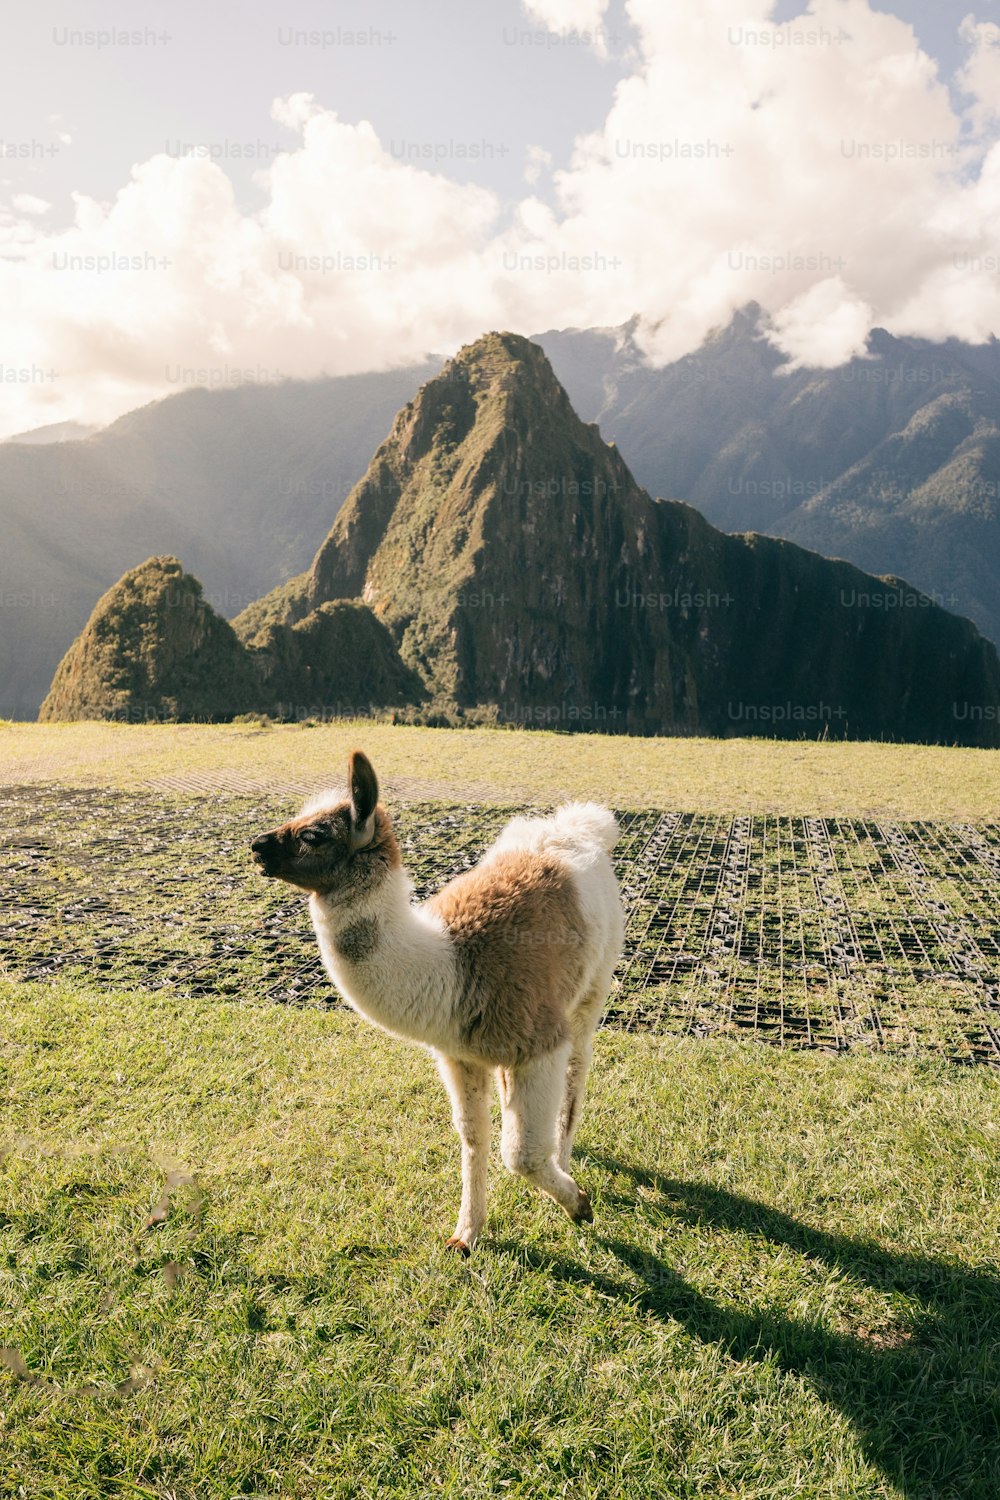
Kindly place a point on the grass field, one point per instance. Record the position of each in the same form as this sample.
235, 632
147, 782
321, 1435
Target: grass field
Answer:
491, 766
791, 1288
221, 1218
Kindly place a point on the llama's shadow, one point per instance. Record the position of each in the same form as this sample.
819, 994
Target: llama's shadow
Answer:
926, 1408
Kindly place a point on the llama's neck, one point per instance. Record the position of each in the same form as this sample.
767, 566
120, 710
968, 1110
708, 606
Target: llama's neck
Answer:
392, 961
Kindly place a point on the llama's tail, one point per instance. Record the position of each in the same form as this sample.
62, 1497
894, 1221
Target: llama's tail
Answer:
579, 831
586, 826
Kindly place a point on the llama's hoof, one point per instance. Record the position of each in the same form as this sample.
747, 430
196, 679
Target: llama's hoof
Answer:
584, 1213
459, 1246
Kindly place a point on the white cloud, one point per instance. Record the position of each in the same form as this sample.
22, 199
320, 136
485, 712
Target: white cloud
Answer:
818, 167
567, 15
27, 203
745, 160
980, 76
824, 327
357, 262
538, 161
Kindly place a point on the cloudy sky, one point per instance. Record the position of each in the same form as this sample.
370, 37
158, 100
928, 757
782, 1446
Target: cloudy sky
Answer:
203, 194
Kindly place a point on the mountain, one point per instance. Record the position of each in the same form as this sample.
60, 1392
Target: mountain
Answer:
891, 461
337, 661
516, 562
155, 650
54, 432
241, 483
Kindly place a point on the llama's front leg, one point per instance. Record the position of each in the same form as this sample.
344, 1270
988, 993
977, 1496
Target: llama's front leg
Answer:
469, 1089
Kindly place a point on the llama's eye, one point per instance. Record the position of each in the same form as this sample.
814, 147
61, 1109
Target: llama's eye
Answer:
312, 836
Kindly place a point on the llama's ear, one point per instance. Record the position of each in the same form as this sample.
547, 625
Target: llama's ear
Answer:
364, 796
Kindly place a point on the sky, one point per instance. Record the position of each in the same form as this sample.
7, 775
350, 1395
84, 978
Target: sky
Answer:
214, 194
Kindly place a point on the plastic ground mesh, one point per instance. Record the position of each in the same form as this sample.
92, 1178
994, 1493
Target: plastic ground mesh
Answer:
824, 932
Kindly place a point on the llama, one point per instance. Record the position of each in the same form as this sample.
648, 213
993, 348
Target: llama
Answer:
505, 970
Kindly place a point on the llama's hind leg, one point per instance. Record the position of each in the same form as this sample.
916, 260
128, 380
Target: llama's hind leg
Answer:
469, 1090
530, 1096
583, 1022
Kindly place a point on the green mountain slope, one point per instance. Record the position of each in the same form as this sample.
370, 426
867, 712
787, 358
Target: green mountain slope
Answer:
155, 650
516, 562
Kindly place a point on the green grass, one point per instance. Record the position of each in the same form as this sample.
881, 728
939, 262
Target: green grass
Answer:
502, 766
791, 1287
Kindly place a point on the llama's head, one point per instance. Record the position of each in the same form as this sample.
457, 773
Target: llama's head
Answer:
340, 849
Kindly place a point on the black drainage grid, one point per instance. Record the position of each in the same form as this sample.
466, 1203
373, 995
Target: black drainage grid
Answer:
805, 932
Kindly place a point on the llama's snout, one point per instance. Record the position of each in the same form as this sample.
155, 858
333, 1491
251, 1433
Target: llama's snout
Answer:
266, 849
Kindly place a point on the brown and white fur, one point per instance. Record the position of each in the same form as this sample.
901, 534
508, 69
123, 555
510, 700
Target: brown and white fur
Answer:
504, 971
